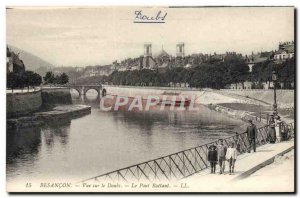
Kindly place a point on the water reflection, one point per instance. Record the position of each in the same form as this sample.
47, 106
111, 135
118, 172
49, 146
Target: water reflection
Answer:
53, 133
22, 142
105, 141
205, 120
26, 142
85, 99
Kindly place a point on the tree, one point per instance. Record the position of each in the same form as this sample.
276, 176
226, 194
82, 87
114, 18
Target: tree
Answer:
27, 78
12, 80
31, 78
188, 76
236, 69
36, 80
64, 78
23, 79
49, 78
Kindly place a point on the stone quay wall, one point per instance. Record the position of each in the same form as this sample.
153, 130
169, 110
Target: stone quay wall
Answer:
51, 96
285, 98
18, 104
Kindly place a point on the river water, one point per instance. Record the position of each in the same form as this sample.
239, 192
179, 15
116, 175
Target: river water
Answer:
104, 141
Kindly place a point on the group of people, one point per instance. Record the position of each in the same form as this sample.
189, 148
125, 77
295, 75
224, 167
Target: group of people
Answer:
220, 154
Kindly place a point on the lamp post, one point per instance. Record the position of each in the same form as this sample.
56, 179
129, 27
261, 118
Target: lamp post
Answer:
278, 122
274, 79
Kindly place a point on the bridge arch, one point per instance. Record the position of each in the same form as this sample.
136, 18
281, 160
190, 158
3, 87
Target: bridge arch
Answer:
82, 89
91, 88
78, 90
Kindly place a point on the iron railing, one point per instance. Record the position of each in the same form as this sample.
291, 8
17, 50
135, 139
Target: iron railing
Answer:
182, 164
288, 129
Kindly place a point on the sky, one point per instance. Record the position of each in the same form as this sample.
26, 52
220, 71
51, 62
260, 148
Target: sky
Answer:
99, 35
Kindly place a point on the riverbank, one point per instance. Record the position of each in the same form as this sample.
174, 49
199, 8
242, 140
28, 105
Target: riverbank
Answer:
203, 96
238, 113
241, 104
26, 103
56, 114
285, 98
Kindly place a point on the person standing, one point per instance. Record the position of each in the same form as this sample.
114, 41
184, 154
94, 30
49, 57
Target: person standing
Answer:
272, 131
221, 148
231, 155
252, 133
212, 157
237, 143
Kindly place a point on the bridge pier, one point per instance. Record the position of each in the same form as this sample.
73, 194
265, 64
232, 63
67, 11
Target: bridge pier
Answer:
82, 91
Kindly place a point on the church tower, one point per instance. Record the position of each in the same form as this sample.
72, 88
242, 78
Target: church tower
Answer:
147, 49
180, 49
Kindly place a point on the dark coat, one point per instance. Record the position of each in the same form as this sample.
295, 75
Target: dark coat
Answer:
252, 131
221, 150
212, 156
272, 132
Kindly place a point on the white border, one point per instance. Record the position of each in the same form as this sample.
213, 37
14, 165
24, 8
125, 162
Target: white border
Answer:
5, 3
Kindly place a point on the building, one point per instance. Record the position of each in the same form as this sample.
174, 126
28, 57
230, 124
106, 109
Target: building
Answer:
241, 85
147, 49
180, 50
162, 59
98, 70
9, 64
159, 61
13, 62
148, 62
285, 51
259, 57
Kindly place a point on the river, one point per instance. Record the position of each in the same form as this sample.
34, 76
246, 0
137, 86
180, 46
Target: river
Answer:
104, 141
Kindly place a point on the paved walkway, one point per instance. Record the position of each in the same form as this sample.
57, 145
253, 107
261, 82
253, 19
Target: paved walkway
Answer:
246, 164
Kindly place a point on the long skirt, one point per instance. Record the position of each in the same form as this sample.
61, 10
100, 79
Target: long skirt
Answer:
272, 135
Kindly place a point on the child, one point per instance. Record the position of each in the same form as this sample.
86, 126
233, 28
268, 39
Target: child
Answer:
221, 155
212, 156
231, 155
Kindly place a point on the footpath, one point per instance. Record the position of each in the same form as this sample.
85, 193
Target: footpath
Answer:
245, 165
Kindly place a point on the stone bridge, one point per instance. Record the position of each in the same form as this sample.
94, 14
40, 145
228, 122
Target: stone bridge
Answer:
82, 89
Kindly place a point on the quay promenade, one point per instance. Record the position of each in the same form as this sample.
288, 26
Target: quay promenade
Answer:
246, 164
192, 163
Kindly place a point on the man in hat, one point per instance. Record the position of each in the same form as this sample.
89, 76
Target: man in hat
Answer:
252, 133
212, 157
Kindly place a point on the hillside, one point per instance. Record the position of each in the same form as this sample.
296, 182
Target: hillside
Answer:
31, 61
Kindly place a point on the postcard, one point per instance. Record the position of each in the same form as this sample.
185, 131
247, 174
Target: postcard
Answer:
150, 99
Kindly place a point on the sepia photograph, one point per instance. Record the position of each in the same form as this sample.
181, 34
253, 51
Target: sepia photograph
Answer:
150, 99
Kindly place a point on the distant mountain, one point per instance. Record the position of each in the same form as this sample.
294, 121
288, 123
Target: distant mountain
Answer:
32, 62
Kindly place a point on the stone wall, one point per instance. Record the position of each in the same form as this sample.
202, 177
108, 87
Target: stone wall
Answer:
285, 98
200, 96
51, 96
23, 103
